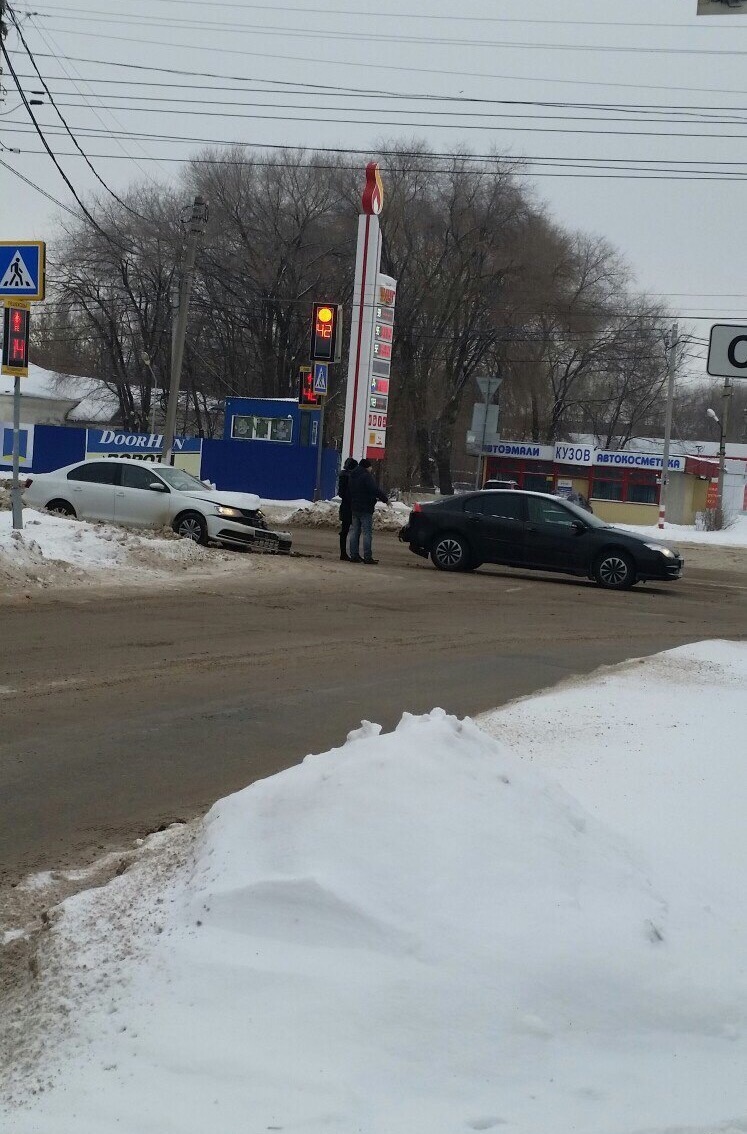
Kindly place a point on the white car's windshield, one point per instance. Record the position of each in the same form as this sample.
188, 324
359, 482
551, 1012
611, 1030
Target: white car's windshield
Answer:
182, 481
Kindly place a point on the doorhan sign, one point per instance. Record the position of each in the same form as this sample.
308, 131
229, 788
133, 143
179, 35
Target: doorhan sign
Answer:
727, 353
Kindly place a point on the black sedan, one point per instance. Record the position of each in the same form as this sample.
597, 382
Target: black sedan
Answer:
537, 531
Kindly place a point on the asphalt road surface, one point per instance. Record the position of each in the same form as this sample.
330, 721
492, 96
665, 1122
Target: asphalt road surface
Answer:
125, 709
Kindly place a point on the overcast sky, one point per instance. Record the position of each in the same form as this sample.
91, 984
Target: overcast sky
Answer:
683, 238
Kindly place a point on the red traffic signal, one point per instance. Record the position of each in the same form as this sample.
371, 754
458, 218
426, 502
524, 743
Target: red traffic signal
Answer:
307, 399
326, 332
16, 325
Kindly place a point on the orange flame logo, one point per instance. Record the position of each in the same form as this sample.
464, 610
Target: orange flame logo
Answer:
373, 194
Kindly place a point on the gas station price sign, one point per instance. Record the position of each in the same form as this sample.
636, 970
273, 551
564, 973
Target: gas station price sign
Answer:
381, 364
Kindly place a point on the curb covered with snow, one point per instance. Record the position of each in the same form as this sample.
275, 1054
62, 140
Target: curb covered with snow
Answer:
426, 932
50, 549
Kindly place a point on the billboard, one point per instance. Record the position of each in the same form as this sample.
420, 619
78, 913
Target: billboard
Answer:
25, 447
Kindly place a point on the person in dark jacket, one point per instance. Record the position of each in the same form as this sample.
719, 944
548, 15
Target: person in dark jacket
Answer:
346, 510
364, 492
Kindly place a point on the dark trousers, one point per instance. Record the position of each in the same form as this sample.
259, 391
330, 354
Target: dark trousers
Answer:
346, 519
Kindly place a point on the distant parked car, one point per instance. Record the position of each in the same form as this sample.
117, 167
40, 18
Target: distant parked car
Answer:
505, 484
534, 530
150, 495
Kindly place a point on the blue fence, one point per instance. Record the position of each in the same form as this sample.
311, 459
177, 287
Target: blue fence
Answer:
275, 471
56, 446
272, 471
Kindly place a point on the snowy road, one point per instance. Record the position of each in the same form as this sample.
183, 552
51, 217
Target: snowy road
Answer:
125, 710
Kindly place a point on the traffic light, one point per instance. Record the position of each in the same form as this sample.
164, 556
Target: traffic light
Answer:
16, 340
307, 399
326, 332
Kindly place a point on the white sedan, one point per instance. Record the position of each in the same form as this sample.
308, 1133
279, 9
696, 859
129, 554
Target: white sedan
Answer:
149, 495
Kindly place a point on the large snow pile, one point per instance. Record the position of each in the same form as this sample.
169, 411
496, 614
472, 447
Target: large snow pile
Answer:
50, 548
735, 535
424, 933
325, 514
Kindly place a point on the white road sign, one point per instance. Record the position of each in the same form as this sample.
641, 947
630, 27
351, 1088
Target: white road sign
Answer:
721, 7
727, 353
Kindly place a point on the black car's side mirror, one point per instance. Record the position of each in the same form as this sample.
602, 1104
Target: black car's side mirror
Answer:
578, 526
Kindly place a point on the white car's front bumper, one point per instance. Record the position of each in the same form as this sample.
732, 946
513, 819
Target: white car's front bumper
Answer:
245, 534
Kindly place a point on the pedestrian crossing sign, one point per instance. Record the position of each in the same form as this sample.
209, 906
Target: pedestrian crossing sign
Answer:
22, 269
321, 372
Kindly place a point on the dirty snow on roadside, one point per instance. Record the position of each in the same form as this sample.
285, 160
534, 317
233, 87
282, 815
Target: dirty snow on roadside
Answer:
733, 536
50, 548
424, 932
325, 514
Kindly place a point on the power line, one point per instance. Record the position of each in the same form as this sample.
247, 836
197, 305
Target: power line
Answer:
558, 167
379, 14
494, 159
559, 312
44, 193
64, 121
48, 148
102, 16
109, 63
687, 115
498, 128
50, 43
297, 88
379, 66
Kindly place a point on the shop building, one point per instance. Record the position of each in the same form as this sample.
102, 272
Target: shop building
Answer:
622, 487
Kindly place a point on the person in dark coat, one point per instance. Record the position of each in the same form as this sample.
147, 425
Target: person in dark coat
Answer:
364, 493
346, 510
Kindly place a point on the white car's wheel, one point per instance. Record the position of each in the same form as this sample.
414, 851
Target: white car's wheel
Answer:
61, 508
191, 525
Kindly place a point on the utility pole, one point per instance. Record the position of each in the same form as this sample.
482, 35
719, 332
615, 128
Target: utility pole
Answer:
197, 223
319, 454
672, 372
724, 425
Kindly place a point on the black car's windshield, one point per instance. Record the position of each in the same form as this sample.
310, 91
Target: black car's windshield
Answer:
182, 481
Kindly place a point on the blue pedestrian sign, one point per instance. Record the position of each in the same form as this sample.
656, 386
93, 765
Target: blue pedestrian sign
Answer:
22, 269
321, 371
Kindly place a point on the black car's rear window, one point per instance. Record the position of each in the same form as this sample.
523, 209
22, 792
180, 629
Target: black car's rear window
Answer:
450, 503
506, 505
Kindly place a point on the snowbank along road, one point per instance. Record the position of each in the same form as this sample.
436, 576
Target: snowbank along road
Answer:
123, 710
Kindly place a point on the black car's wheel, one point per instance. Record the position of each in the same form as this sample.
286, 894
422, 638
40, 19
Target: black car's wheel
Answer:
450, 553
61, 508
615, 570
191, 525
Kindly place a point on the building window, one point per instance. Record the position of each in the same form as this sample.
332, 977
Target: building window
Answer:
249, 427
609, 488
538, 482
631, 486
643, 493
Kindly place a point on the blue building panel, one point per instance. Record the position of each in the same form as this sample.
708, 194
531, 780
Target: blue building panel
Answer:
280, 464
